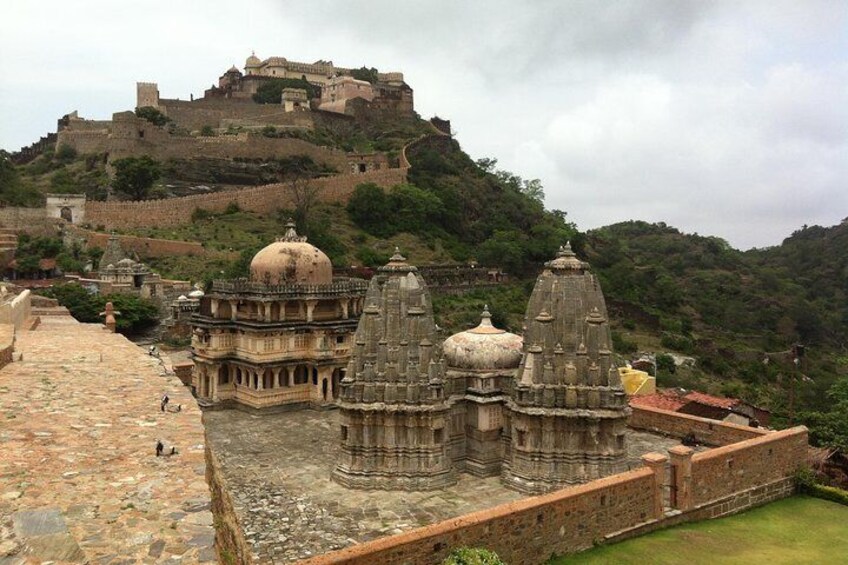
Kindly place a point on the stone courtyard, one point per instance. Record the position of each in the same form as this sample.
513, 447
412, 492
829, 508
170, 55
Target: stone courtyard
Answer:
277, 467
80, 482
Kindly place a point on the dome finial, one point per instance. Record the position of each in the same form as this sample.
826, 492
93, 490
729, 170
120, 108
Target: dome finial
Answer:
397, 257
291, 232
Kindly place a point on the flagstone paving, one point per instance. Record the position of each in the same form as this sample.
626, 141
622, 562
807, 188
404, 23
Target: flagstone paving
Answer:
277, 468
79, 479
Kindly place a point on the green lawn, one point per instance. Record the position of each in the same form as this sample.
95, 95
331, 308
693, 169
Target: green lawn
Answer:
796, 530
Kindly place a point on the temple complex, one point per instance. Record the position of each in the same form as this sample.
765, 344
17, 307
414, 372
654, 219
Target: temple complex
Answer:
118, 273
281, 337
541, 413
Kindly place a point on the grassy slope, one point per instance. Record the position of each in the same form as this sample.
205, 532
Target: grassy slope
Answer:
226, 235
795, 530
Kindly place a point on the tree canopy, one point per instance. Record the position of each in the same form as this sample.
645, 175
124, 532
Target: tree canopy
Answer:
134, 176
271, 91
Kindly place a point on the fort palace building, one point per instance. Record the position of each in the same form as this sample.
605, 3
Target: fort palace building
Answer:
281, 337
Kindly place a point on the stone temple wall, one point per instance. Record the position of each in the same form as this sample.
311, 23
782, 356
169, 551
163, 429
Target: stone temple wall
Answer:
177, 211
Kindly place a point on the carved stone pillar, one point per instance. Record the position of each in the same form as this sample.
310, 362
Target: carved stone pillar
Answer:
310, 308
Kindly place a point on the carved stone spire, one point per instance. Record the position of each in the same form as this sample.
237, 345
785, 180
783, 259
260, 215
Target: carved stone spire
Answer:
395, 381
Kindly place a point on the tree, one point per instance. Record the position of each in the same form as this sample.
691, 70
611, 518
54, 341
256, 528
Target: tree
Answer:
136, 313
271, 91
14, 191
135, 175
366, 74
152, 115
369, 209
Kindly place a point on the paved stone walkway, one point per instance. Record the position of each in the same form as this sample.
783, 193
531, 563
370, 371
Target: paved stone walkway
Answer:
79, 480
277, 467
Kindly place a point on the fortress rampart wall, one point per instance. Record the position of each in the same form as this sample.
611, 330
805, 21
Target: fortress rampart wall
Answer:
176, 211
224, 112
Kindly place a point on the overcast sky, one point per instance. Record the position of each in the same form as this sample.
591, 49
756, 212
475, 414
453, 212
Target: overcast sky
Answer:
722, 118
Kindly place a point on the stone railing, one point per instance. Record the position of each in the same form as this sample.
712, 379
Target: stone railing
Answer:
339, 287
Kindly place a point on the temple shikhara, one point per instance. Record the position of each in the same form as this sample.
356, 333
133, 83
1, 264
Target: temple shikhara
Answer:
541, 414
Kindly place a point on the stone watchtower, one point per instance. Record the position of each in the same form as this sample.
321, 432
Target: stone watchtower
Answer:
147, 94
395, 418
568, 408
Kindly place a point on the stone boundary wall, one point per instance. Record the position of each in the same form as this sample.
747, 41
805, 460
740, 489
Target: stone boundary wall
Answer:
724, 471
521, 532
706, 431
219, 113
17, 310
176, 211
142, 246
7, 344
17, 218
528, 531
229, 537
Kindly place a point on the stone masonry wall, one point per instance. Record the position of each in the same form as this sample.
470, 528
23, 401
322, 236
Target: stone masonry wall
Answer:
16, 311
22, 218
526, 531
229, 537
714, 483
735, 468
706, 431
142, 246
176, 211
220, 113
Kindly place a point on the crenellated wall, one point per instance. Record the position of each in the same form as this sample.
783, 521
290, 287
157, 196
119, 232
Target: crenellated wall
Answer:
176, 211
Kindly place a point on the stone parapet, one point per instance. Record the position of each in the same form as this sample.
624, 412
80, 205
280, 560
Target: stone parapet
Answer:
703, 430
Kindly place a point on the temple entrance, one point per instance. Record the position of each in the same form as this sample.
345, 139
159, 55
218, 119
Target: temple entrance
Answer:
66, 214
324, 389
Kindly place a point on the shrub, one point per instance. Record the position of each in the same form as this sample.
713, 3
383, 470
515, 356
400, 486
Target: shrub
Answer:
65, 153
207, 131
232, 208
665, 364
623, 345
152, 115
472, 556
200, 214
805, 480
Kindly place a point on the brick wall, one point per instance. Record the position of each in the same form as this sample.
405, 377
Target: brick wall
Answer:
674, 424
177, 211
